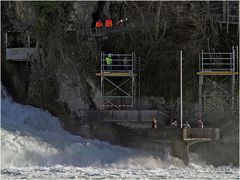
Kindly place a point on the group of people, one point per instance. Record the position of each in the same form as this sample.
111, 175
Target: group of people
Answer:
108, 23
174, 124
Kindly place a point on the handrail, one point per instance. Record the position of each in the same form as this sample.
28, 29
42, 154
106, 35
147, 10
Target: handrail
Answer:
217, 61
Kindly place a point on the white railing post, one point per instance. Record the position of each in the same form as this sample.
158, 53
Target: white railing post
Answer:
181, 108
233, 59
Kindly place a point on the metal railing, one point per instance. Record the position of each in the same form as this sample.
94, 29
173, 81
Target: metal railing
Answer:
218, 61
20, 54
120, 63
118, 94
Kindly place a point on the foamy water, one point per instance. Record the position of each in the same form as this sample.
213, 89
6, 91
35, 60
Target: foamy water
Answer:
34, 145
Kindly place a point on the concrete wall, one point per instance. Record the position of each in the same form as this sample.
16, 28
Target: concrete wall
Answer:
133, 115
128, 117
201, 133
20, 54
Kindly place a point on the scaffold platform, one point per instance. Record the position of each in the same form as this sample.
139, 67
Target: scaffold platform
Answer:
218, 72
116, 74
120, 83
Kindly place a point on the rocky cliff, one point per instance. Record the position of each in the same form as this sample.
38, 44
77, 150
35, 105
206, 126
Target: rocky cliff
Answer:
62, 78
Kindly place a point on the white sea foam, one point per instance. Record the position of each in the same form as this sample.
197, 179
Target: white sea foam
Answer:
34, 145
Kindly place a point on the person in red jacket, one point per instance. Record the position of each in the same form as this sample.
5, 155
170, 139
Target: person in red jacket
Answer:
99, 24
108, 23
154, 123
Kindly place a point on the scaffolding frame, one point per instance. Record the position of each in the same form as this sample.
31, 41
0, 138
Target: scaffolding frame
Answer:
125, 67
222, 66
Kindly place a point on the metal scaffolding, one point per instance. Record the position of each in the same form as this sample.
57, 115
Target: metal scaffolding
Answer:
215, 69
120, 83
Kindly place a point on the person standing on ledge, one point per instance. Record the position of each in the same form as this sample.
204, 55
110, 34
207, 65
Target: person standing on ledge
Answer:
108, 60
108, 23
186, 125
200, 124
174, 124
154, 123
99, 24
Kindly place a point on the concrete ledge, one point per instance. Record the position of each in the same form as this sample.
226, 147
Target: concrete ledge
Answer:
20, 54
201, 134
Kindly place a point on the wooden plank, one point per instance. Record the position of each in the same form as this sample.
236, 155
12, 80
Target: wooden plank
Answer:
116, 74
197, 139
217, 73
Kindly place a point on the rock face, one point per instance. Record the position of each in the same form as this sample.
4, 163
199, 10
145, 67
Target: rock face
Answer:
62, 78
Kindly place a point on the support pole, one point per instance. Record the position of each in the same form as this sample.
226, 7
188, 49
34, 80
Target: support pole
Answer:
6, 36
200, 84
224, 11
233, 77
133, 83
200, 96
181, 109
237, 51
102, 100
139, 90
28, 41
227, 7
237, 64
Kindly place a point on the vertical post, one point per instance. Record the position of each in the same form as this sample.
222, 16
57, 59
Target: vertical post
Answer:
181, 109
199, 62
133, 84
233, 77
101, 61
6, 38
227, 4
224, 10
200, 85
233, 60
237, 51
132, 60
200, 96
28, 41
237, 59
139, 90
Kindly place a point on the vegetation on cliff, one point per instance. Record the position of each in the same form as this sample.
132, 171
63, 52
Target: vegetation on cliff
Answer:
62, 78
